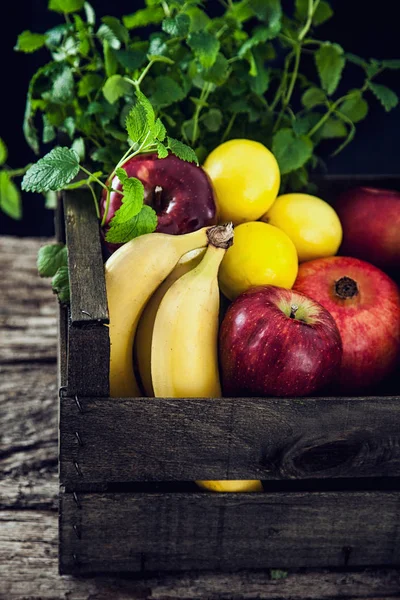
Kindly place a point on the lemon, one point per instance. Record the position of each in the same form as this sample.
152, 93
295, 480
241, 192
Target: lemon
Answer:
246, 179
261, 254
240, 485
311, 223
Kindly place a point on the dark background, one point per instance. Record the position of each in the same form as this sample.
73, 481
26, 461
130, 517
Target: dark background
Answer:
366, 29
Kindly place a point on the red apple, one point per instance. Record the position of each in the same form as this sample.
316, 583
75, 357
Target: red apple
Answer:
371, 225
276, 342
180, 192
365, 304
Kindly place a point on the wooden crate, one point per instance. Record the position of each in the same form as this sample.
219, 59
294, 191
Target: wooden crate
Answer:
330, 466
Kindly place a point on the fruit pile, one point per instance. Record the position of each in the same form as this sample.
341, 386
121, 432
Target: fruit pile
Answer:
294, 319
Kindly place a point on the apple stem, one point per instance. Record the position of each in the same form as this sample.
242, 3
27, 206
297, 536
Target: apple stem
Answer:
345, 288
221, 236
293, 310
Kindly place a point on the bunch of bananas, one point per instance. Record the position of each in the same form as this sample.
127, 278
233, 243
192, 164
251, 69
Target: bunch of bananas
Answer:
163, 299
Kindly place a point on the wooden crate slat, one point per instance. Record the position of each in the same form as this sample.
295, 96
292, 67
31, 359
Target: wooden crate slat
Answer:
173, 532
88, 360
86, 272
155, 439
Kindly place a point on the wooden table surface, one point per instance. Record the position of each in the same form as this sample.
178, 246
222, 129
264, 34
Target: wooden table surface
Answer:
28, 476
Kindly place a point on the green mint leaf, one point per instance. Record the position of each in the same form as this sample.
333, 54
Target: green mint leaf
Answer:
392, 63
182, 151
88, 84
83, 36
55, 35
89, 13
144, 17
355, 107
49, 133
259, 80
177, 26
219, 72
241, 11
148, 108
333, 128
130, 59
167, 92
260, 36
50, 200
140, 224
60, 285
304, 124
3, 152
269, 11
213, 119
159, 131
69, 126
66, 6
28, 127
115, 88
110, 59
52, 172
356, 60
387, 97
119, 30
50, 258
198, 18
62, 90
162, 151
160, 58
322, 13
107, 35
140, 121
30, 42
313, 97
132, 201
330, 61
291, 151
10, 197
158, 46
205, 47
121, 174
79, 146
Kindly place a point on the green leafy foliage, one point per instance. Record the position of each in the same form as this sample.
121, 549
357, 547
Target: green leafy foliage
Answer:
60, 285
30, 42
291, 151
330, 61
3, 152
50, 258
52, 261
114, 89
10, 197
387, 97
52, 171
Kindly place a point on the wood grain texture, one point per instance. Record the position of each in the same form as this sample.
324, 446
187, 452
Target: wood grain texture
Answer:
86, 272
154, 439
173, 532
27, 306
88, 360
29, 484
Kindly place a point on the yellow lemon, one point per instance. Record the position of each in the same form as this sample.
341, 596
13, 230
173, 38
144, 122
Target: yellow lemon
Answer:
246, 179
251, 485
261, 254
311, 223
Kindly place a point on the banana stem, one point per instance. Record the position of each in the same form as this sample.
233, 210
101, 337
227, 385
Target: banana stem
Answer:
221, 236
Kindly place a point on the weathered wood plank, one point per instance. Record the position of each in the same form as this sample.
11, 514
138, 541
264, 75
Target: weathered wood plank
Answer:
28, 571
173, 532
157, 439
87, 283
88, 360
27, 305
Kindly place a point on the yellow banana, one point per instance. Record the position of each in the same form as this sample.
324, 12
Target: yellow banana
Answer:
240, 485
132, 274
144, 333
184, 357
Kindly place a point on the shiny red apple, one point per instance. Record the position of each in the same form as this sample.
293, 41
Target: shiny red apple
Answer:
180, 192
370, 219
365, 304
276, 342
